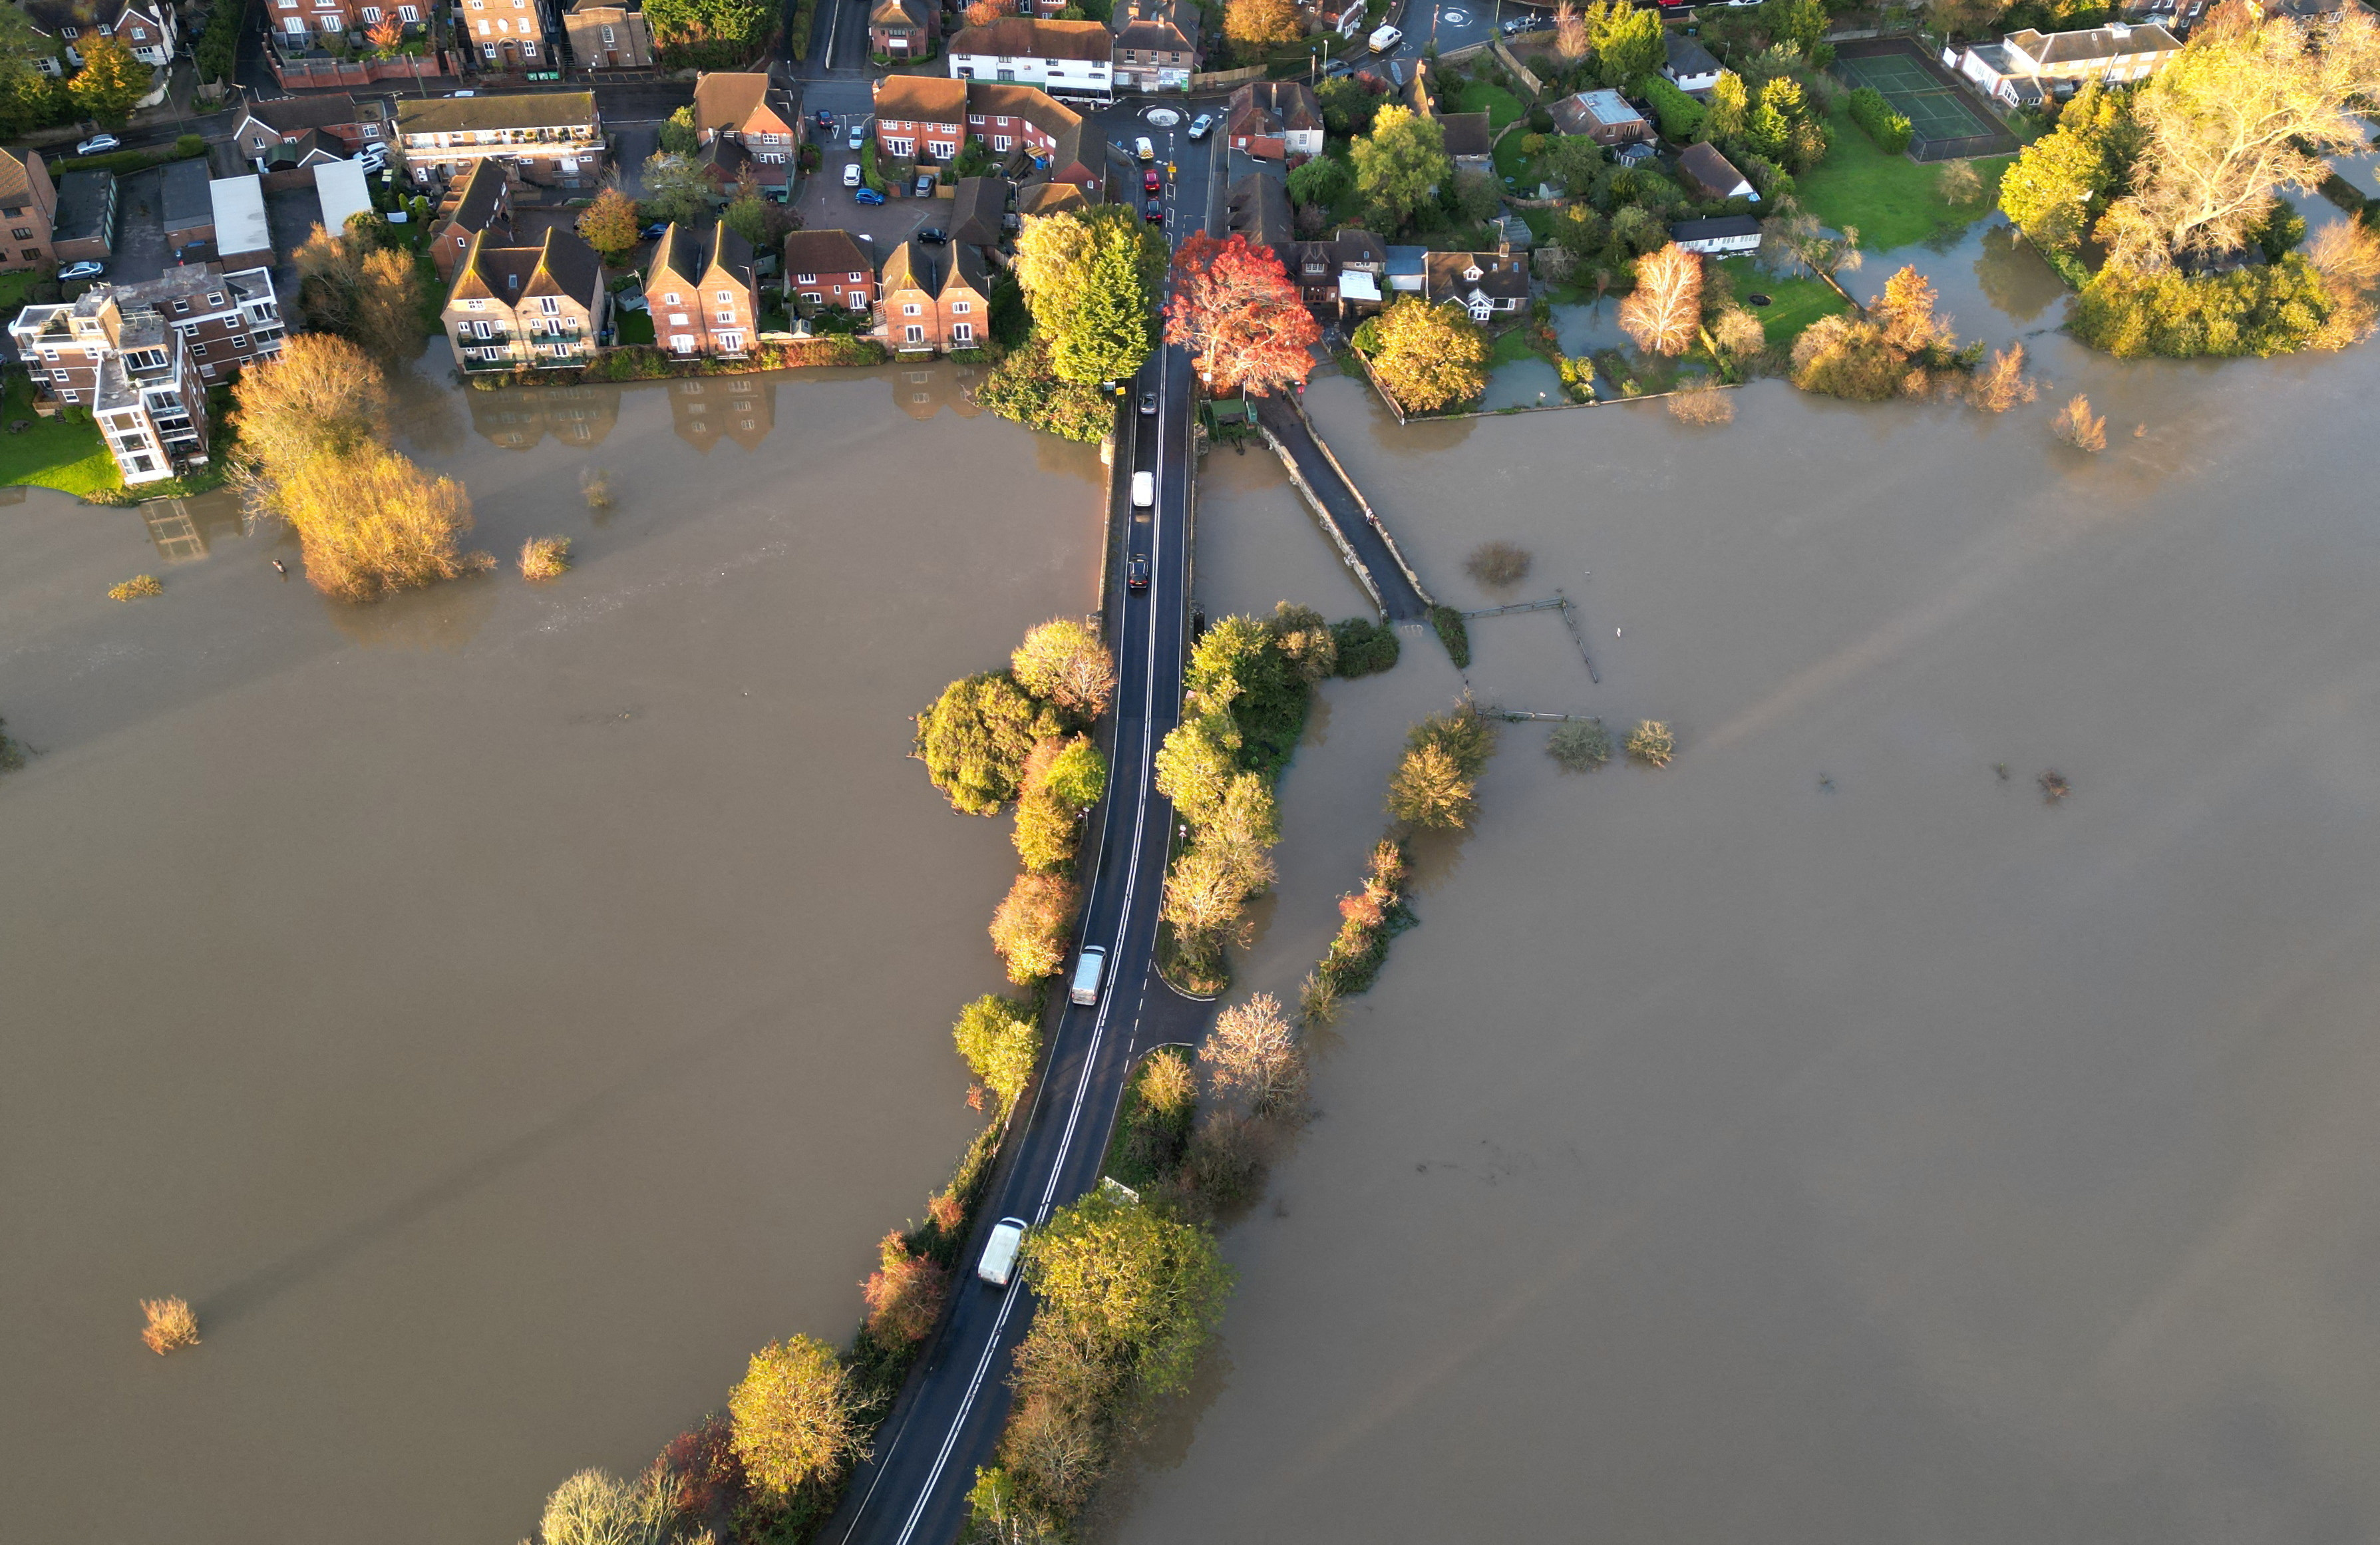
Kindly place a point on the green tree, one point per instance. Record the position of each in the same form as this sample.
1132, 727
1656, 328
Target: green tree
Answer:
676, 189
1400, 165
1001, 1044
1799, 24
25, 100
1322, 181
761, 222
1113, 326
110, 82
1428, 356
1574, 161
1348, 107
2058, 185
1196, 764
977, 737
1077, 776
609, 225
1047, 833
794, 1417
1145, 1291
678, 136
1628, 41
1725, 115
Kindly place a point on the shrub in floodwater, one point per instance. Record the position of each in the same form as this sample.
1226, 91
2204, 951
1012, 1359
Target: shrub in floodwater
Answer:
141, 587
1498, 564
544, 557
171, 1325
1652, 743
2054, 786
2074, 424
1365, 648
1452, 634
596, 484
1702, 402
1580, 748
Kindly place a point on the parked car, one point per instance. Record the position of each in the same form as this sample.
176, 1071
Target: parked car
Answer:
99, 144
1135, 574
1152, 181
1155, 212
933, 235
1143, 148
83, 269
1200, 125
925, 185
654, 232
1336, 69
868, 196
1385, 38
851, 174
1148, 402
858, 135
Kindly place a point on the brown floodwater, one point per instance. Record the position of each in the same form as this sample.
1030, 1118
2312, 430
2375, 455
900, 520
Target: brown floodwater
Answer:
1826, 1139
502, 1009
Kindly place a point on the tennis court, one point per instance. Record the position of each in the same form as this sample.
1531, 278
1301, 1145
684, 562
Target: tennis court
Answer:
1935, 111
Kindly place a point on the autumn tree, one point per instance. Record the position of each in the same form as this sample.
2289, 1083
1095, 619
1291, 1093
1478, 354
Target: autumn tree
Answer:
1235, 307
110, 82
1572, 37
1032, 925
388, 304
794, 1422
1436, 783
1665, 309
330, 279
1429, 357
976, 738
323, 396
1062, 780
1400, 165
904, 1294
1142, 1291
983, 13
2239, 115
1252, 1055
1066, 664
1001, 1044
1256, 25
1957, 181
609, 225
1907, 311
2001, 382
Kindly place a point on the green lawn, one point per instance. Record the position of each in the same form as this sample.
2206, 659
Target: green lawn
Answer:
632, 327
12, 291
52, 453
1479, 96
1891, 198
1793, 303
1512, 347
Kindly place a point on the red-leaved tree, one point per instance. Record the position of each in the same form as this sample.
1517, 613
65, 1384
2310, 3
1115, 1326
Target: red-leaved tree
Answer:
1234, 307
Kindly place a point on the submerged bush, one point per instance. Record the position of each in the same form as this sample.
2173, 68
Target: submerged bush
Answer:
171, 1325
1652, 743
1365, 647
1498, 564
141, 587
1580, 748
545, 557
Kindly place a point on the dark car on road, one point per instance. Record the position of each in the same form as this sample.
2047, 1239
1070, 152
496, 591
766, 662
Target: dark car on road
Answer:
1148, 402
1155, 212
826, 123
1135, 574
933, 235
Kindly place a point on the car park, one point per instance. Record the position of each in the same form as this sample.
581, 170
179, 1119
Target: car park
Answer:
99, 144
868, 196
1135, 574
1200, 125
851, 174
83, 269
933, 235
1385, 40
1143, 150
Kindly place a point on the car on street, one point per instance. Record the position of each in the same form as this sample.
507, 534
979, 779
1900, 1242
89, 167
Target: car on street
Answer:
1143, 148
99, 144
1092, 964
868, 196
1144, 496
1135, 574
83, 269
1200, 125
1155, 212
933, 235
1148, 402
1152, 181
1522, 24
1385, 41
858, 135
999, 1261
851, 174
1336, 69
826, 123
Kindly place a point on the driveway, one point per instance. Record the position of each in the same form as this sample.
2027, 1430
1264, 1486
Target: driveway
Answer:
825, 205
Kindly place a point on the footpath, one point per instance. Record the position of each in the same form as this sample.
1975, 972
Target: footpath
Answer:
1362, 541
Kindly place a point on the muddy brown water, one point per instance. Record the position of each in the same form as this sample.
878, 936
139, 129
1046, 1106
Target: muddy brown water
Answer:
1825, 1139
501, 1010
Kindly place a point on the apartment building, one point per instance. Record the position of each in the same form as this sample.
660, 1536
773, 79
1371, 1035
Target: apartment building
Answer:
550, 138
349, 125
228, 319
920, 116
1073, 56
526, 307
606, 34
757, 113
29, 208
929, 118
130, 368
702, 294
509, 34
302, 21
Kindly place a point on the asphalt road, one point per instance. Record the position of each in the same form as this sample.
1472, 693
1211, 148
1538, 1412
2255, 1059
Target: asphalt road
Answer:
912, 1491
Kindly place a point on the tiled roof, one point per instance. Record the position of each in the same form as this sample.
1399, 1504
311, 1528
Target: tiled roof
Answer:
1026, 37
728, 99
289, 115
827, 252
934, 99
17, 175
1467, 134
678, 255
2097, 44
506, 110
1689, 58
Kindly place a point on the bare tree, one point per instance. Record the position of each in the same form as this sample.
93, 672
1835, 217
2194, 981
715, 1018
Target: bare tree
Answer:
2001, 384
2074, 424
1957, 181
1570, 31
1664, 312
1253, 1055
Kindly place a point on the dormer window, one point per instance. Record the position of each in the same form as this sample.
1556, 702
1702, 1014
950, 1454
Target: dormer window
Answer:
1471, 274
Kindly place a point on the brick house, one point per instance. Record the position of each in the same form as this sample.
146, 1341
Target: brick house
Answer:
526, 306
904, 28
338, 117
1064, 146
757, 113
1274, 119
1056, 56
609, 35
702, 294
1603, 117
829, 268
509, 34
936, 299
227, 319
550, 138
920, 116
28, 207
130, 368
482, 201
148, 29
1156, 44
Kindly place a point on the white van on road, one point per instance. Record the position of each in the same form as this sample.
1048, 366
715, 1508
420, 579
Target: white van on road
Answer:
1144, 490
1088, 969
999, 1261
1385, 41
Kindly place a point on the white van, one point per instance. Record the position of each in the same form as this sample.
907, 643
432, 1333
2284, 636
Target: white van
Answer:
1386, 40
1089, 967
999, 1262
1144, 490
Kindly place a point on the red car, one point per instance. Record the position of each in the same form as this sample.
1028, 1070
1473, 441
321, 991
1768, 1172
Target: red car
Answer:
1150, 182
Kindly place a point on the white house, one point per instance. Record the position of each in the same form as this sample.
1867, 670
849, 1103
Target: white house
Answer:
1059, 56
1725, 236
2025, 66
1690, 67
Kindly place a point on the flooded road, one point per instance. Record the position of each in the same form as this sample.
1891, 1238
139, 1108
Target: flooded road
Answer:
1825, 1139
502, 1009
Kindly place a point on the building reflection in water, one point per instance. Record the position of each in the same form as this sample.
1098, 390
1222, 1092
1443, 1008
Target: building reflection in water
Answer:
184, 531
706, 410
516, 418
923, 391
